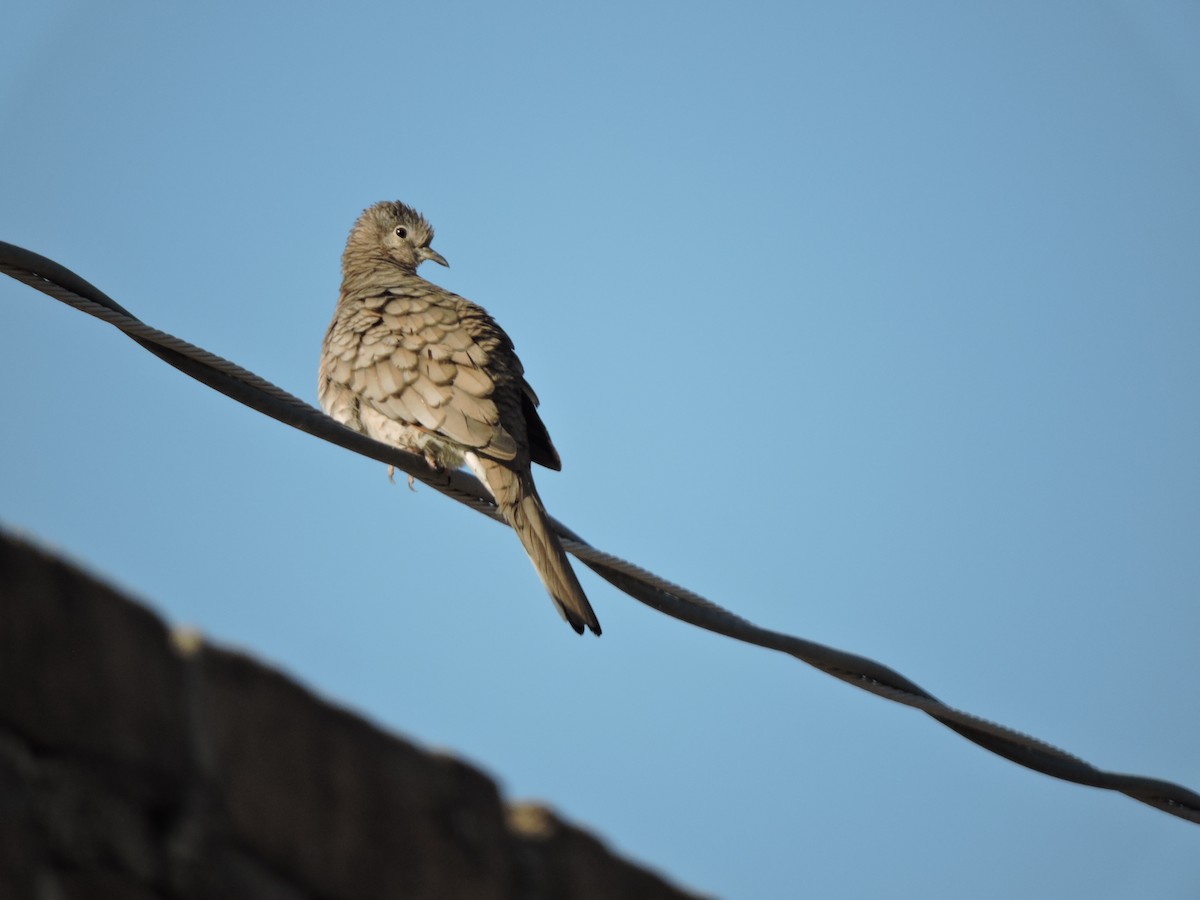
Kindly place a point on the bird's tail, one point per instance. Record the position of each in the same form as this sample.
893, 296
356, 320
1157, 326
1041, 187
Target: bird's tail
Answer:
521, 506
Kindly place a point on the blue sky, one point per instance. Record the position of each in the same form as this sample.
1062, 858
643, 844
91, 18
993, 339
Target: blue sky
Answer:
875, 322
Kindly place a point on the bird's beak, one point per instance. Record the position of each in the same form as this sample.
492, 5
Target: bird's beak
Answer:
432, 255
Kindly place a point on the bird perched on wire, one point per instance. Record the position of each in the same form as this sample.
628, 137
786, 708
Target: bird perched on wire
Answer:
418, 367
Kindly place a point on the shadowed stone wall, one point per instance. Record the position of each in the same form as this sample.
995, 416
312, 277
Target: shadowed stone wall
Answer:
137, 763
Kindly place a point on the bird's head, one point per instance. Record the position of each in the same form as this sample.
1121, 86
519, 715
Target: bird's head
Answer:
397, 231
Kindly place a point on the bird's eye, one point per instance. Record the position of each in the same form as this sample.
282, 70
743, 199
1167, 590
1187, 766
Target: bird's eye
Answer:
401, 231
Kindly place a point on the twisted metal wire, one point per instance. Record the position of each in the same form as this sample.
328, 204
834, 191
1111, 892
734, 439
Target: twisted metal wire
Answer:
62, 284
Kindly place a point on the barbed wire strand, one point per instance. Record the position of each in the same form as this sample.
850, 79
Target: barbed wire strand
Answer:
62, 284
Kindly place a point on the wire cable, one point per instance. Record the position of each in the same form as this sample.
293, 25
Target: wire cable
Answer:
62, 284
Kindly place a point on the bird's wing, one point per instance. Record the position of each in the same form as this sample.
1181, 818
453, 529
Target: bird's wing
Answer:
541, 448
419, 361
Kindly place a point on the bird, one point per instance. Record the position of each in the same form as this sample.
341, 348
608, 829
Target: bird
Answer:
413, 365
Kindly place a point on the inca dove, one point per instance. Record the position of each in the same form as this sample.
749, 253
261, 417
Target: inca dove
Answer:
413, 365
